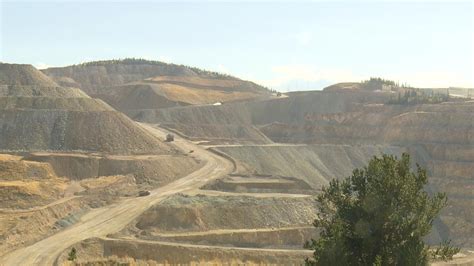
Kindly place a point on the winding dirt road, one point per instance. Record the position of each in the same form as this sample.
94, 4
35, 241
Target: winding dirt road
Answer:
110, 219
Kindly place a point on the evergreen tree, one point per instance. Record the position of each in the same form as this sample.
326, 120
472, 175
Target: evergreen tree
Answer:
378, 216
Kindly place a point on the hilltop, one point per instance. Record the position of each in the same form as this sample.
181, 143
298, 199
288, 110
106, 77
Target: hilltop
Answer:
19, 74
130, 84
92, 77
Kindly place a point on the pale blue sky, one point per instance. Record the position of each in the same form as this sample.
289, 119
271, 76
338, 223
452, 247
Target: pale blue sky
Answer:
288, 46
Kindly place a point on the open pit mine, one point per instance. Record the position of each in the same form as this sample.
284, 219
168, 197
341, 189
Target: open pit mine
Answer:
148, 163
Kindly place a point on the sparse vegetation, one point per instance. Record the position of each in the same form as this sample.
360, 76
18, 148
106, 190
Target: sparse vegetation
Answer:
72, 255
444, 251
378, 216
141, 61
406, 94
417, 96
376, 83
379, 83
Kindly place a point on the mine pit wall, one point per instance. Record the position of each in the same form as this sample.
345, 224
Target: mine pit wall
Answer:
438, 136
284, 110
220, 134
164, 253
314, 164
241, 120
155, 170
317, 164
395, 125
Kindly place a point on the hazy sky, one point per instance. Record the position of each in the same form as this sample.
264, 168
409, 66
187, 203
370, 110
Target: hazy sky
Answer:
288, 46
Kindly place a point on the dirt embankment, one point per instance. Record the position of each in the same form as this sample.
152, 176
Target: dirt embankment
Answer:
25, 228
60, 130
27, 184
278, 238
260, 184
154, 170
159, 253
197, 213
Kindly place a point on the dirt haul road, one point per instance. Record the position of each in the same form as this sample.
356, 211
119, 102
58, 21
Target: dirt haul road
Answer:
110, 219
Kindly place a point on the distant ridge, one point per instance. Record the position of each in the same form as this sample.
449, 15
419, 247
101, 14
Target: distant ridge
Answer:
141, 61
91, 76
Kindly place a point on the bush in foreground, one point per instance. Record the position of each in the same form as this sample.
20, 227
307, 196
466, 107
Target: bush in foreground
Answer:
378, 216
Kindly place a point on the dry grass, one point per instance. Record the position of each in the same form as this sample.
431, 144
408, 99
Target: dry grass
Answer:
202, 96
198, 81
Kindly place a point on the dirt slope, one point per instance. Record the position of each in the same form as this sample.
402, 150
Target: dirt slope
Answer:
27, 184
17, 74
315, 164
197, 213
53, 118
